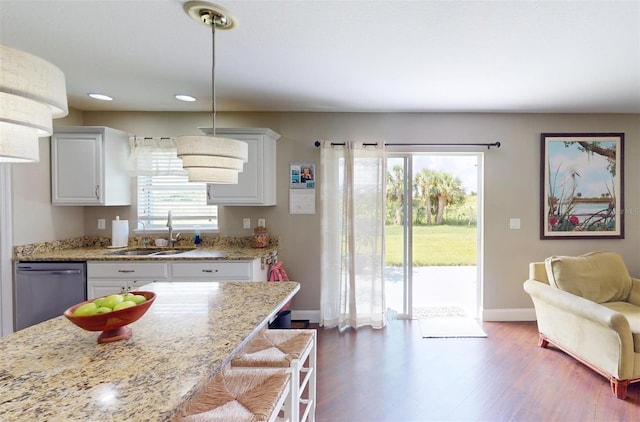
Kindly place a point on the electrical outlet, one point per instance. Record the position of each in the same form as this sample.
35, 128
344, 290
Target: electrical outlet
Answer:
102, 224
261, 222
246, 223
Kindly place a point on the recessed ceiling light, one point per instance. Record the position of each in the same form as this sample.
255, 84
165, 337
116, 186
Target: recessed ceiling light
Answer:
100, 97
184, 97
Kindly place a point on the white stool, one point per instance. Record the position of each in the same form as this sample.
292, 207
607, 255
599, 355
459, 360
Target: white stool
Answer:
242, 395
292, 349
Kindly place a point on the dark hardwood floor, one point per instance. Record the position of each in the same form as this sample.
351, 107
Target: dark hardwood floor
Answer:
395, 375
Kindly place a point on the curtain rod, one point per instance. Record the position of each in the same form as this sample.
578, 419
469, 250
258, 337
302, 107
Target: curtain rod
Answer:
488, 145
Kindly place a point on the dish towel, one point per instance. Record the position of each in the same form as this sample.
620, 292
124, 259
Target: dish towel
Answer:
277, 273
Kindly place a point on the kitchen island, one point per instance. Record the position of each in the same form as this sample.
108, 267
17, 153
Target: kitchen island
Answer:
56, 371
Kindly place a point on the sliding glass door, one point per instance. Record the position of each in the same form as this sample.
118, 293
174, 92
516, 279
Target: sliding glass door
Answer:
433, 234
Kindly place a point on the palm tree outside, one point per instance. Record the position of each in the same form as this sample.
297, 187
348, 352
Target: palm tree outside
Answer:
395, 194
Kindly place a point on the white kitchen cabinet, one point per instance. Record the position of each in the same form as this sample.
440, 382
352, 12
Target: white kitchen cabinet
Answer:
218, 270
100, 288
257, 182
89, 166
105, 278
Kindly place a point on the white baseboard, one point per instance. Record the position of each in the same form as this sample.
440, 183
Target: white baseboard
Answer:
312, 316
522, 314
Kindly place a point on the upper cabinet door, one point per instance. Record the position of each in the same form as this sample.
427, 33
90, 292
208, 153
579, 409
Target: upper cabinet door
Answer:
76, 168
88, 166
257, 182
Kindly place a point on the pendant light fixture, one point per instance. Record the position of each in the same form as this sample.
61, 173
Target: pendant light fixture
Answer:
210, 158
32, 92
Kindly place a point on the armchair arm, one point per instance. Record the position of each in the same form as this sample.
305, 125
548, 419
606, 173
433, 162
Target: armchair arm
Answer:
578, 306
634, 296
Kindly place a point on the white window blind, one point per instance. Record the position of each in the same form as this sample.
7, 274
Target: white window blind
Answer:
163, 186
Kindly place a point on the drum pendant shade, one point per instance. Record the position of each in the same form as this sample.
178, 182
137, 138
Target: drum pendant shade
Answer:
32, 92
210, 158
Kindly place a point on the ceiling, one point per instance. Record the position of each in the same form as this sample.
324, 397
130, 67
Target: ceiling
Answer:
346, 56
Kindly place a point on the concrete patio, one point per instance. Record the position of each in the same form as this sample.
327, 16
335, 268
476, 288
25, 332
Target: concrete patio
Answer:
436, 286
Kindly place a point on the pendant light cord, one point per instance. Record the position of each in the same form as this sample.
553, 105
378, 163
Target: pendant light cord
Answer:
213, 74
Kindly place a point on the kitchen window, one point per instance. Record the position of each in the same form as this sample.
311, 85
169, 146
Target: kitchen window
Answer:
163, 186
187, 201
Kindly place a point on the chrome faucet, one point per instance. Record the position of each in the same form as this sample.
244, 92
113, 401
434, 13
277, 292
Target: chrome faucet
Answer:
172, 240
144, 233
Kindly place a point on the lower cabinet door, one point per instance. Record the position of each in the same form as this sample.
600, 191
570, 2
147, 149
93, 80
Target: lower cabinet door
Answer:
101, 288
137, 284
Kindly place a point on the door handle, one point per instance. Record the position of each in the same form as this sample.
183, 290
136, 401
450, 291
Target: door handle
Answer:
49, 272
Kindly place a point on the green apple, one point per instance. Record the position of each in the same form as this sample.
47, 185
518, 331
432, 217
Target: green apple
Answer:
103, 310
99, 301
127, 296
86, 309
123, 305
138, 299
112, 300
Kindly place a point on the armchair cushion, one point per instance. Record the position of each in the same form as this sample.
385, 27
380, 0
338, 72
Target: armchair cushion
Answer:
598, 276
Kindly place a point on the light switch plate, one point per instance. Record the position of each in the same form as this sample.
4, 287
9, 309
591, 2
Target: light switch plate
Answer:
102, 224
246, 223
261, 222
514, 223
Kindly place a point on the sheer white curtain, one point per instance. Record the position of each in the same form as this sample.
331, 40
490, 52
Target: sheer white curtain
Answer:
353, 194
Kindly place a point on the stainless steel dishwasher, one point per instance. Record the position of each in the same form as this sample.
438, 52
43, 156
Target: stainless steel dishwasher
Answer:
44, 290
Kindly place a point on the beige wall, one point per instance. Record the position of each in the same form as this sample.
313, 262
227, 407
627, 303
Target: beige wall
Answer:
34, 218
511, 184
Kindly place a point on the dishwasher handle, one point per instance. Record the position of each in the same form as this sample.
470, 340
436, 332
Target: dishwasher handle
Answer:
48, 272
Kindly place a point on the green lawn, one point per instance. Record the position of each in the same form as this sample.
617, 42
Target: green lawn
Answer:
434, 245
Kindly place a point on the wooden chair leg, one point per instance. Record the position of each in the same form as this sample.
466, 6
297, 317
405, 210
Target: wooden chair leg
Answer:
619, 388
542, 342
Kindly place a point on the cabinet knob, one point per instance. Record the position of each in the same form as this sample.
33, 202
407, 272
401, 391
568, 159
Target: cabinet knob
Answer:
126, 271
210, 271
97, 191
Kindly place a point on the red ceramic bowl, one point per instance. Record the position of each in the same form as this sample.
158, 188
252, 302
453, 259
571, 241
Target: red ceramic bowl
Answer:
112, 324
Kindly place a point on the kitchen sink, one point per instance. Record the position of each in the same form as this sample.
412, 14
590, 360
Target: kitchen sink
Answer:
129, 252
149, 252
171, 252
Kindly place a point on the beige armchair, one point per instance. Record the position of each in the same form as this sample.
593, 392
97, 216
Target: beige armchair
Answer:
589, 307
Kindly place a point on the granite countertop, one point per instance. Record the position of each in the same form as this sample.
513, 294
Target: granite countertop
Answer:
188, 253
57, 371
98, 249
